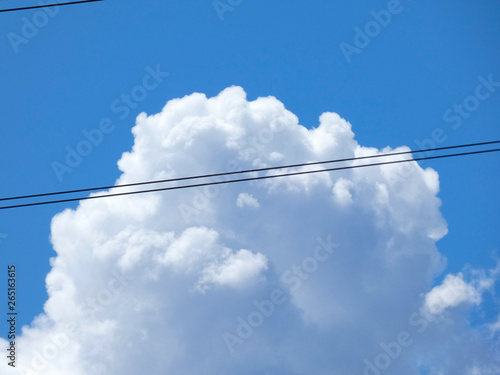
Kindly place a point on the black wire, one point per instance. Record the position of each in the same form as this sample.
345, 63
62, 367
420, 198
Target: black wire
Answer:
246, 171
250, 179
48, 5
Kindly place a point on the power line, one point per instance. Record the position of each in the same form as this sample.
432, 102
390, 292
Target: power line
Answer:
250, 179
48, 5
248, 171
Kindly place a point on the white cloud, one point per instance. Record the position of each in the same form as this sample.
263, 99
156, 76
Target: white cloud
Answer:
236, 270
275, 156
150, 283
452, 292
341, 191
247, 200
495, 327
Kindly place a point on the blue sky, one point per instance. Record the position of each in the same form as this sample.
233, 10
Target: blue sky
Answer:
395, 91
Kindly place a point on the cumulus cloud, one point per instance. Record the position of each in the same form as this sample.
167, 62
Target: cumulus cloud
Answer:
247, 200
235, 270
495, 327
452, 292
186, 282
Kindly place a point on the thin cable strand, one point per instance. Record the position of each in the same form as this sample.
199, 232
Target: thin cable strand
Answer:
48, 5
249, 179
246, 171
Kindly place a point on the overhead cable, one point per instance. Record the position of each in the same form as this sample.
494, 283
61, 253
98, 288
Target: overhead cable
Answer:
48, 5
248, 171
248, 179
